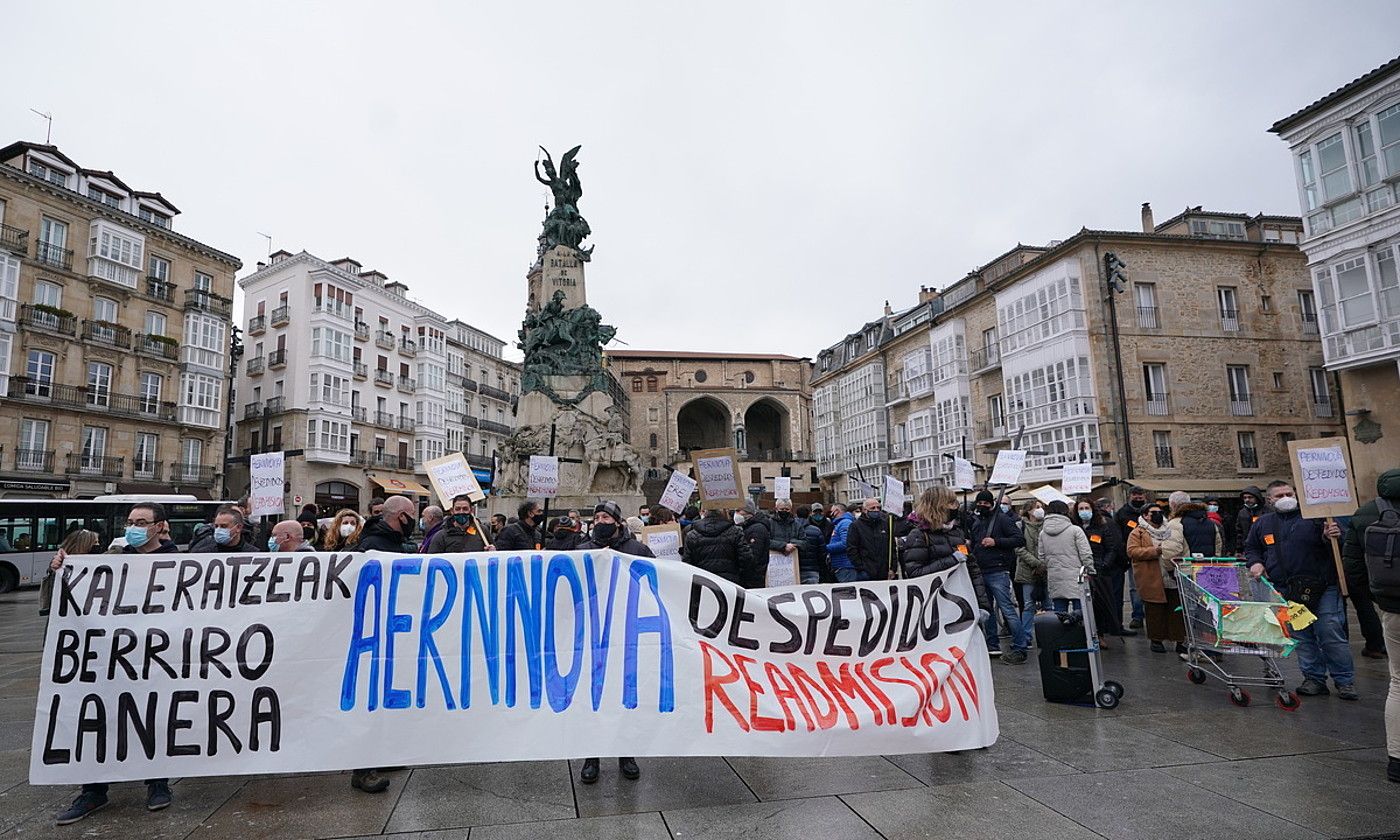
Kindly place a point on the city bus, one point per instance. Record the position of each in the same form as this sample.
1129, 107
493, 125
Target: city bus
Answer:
32, 529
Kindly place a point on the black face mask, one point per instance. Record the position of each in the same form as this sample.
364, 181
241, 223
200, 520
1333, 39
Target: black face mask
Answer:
604, 531
983, 511
562, 533
871, 515
1137, 505
784, 514
1156, 517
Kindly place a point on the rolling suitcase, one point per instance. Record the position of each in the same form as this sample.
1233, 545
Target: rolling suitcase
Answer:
1064, 677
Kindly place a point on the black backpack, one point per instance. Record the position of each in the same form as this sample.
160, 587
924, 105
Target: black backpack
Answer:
1382, 546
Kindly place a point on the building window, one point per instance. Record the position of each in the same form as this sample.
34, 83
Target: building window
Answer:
205, 283
653, 440
144, 464
99, 384
155, 323
1146, 294
204, 340
651, 384
1321, 392
1154, 383
636, 384
151, 386
701, 376
94, 447
146, 214
1229, 308
1237, 376
1332, 163
1266, 303
333, 344
1249, 456
1162, 449
191, 452
1278, 380
39, 371
1354, 292
1214, 229
1307, 310
33, 445
48, 294
104, 309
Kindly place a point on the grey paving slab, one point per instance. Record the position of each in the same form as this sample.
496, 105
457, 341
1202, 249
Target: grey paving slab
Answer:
1099, 745
1360, 723
22, 802
1361, 761
126, 815
1151, 805
666, 783
297, 807
19, 688
14, 768
788, 818
800, 778
1327, 799
1006, 759
444, 834
483, 794
985, 810
1253, 735
618, 827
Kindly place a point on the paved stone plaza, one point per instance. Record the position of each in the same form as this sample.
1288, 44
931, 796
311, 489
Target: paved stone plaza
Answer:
1174, 761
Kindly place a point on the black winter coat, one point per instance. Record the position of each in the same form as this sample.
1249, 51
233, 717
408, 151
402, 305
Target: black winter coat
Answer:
811, 550
622, 541
206, 544
1245, 519
869, 547
1200, 531
378, 536
927, 551
451, 539
570, 541
166, 547
758, 534
1002, 528
718, 546
519, 537
1105, 544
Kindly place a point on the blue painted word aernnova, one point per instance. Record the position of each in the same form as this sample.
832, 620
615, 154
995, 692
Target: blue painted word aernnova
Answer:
504, 609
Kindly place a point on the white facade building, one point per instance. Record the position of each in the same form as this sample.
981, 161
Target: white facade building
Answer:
850, 427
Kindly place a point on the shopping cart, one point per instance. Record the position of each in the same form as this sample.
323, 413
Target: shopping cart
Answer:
1229, 612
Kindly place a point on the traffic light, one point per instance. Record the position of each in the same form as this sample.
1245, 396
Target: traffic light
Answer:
1113, 267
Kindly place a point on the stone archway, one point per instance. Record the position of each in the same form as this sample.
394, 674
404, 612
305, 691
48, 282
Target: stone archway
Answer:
703, 423
767, 424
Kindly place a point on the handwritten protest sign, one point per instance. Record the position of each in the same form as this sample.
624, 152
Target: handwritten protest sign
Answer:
782, 569
678, 491
543, 478
963, 476
213, 664
1077, 479
1047, 494
1008, 467
782, 488
720, 483
451, 477
893, 496
663, 540
268, 483
1322, 477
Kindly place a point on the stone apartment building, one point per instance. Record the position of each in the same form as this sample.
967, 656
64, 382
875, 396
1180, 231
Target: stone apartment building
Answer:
758, 403
114, 336
1346, 162
340, 364
1215, 348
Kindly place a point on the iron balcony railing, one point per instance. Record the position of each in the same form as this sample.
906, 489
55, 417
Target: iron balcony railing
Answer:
256, 365
104, 466
1310, 323
39, 317
257, 325
383, 377
281, 316
494, 393
984, 358
1241, 406
190, 474
34, 460
50, 254
1157, 404
1230, 320
407, 383
469, 421
14, 239
384, 339
469, 384
493, 426
252, 410
1147, 317
362, 331
361, 370
277, 359
153, 345
485, 462
206, 301
1322, 406
404, 424
162, 290
1164, 457
358, 413
99, 399
1249, 458
107, 334
408, 346
388, 460
384, 418
276, 405
147, 470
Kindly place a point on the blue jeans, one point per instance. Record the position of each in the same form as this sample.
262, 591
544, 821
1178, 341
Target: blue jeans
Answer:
999, 590
1033, 600
1132, 594
806, 577
1322, 647
848, 575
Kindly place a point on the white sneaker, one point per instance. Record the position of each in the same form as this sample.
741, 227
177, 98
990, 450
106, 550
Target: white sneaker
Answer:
994, 653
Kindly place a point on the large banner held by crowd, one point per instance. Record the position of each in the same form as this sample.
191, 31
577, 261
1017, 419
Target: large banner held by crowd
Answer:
211, 664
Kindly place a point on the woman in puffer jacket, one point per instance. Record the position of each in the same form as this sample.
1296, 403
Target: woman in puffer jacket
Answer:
1065, 551
930, 548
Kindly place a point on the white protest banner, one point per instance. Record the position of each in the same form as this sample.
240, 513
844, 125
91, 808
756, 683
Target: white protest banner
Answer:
1007, 470
782, 488
268, 482
226, 665
1322, 477
782, 569
894, 496
720, 483
1047, 494
543, 481
678, 491
963, 477
451, 476
663, 540
1077, 479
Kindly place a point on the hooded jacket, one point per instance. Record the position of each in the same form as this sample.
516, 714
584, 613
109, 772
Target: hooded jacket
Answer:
836, 547
621, 541
1029, 568
1199, 532
1354, 547
1105, 544
1245, 519
519, 537
1064, 549
717, 545
378, 536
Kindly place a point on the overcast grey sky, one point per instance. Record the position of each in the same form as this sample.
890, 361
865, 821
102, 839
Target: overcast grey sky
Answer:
791, 165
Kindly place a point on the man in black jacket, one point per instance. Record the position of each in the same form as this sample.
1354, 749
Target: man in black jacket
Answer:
563, 535
714, 543
758, 534
459, 532
995, 539
230, 533
1251, 508
869, 544
786, 533
524, 534
609, 531
147, 532
1126, 518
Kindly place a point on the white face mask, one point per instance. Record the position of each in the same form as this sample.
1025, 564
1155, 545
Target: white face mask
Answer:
738, 519
346, 529
1038, 513
1286, 504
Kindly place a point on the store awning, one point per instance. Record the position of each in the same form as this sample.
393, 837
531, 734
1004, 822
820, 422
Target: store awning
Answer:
399, 485
1196, 486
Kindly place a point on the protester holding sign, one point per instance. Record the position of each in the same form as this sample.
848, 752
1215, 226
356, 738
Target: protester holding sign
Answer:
459, 533
1297, 556
785, 531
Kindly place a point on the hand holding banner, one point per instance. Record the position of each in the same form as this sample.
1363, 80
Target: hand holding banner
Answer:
451, 476
1007, 470
543, 481
679, 489
268, 480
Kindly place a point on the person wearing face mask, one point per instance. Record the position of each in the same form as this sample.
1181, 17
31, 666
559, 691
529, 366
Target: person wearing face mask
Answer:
147, 532
714, 543
229, 534
608, 531
837, 544
1251, 508
811, 547
563, 535
288, 535
1201, 535
459, 532
757, 533
1030, 571
994, 540
937, 543
870, 543
785, 531
344, 532
1064, 549
1296, 555
1126, 518
525, 533
1105, 546
1152, 546
432, 522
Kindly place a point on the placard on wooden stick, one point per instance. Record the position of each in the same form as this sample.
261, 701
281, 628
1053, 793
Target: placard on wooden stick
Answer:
1322, 477
721, 485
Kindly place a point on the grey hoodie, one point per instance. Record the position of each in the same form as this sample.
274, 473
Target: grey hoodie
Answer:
1064, 549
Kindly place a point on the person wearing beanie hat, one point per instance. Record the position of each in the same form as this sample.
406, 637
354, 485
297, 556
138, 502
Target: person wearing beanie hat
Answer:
609, 532
563, 535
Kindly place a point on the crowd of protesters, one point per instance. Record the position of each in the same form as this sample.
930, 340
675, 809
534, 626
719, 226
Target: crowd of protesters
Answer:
1022, 560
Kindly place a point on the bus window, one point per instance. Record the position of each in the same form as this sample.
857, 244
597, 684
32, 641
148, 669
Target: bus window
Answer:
16, 533
48, 535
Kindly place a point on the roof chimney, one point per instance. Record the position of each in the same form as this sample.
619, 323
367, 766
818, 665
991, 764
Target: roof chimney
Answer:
1147, 226
927, 293
888, 310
